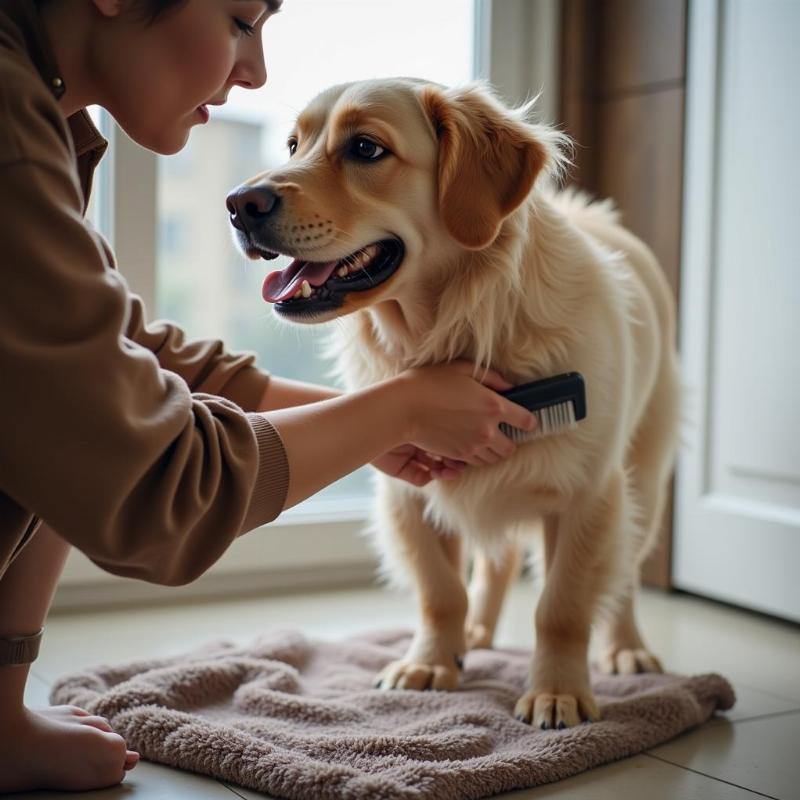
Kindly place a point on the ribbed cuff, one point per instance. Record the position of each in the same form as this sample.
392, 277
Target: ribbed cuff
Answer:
272, 480
19, 649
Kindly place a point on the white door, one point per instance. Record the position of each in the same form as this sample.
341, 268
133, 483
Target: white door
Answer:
738, 488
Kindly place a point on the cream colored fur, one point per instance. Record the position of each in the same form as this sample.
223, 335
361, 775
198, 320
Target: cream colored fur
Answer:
504, 270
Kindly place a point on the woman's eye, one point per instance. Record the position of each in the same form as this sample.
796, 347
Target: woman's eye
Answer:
292, 145
366, 149
243, 26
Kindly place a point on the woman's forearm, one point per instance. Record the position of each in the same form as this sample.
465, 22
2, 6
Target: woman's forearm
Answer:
285, 393
329, 439
438, 408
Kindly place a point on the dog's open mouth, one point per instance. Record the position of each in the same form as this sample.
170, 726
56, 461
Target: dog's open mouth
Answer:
320, 285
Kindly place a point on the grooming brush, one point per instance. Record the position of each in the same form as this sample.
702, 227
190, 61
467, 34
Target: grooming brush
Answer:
557, 403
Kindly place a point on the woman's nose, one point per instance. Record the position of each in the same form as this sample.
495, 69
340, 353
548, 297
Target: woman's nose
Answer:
250, 70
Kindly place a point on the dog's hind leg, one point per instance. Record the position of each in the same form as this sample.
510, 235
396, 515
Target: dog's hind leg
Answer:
650, 460
435, 656
490, 579
624, 651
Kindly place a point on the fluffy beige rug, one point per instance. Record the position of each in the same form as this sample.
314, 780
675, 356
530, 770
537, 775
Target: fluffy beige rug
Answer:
300, 719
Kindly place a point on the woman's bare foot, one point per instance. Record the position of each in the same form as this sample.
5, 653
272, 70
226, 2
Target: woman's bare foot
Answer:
62, 747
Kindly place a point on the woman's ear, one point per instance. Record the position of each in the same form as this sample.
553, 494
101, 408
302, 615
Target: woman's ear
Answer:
488, 161
109, 8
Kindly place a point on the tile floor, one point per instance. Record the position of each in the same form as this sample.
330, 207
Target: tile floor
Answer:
752, 751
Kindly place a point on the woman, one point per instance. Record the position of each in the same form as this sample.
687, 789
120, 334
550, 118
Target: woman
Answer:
150, 454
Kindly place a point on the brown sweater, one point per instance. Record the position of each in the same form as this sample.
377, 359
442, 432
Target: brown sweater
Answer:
135, 445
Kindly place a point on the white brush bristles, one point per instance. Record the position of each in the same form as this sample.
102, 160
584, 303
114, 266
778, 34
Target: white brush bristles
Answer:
552, 419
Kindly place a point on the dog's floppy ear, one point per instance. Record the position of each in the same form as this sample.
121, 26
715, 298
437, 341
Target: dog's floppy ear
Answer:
488, 161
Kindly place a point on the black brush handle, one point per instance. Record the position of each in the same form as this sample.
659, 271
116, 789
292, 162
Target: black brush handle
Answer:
550, 392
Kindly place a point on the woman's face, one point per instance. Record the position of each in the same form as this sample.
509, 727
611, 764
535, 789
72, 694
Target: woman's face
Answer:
154, 79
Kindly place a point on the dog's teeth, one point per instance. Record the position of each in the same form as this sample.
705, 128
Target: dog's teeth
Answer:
305, 289
357, 261
297, 294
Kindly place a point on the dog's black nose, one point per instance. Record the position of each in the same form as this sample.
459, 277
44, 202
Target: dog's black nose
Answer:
251, 205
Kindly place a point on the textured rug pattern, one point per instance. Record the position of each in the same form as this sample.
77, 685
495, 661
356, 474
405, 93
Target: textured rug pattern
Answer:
300, 719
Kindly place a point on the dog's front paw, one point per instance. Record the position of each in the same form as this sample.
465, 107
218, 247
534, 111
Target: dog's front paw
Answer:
625, 661
408, 674
547, 710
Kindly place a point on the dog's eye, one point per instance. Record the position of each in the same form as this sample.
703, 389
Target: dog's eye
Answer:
292, 145
366, 149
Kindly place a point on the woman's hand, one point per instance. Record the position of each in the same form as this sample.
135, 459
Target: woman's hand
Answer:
411, 464
450, 412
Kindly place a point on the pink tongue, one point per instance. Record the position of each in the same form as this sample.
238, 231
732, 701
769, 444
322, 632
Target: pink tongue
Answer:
283, 284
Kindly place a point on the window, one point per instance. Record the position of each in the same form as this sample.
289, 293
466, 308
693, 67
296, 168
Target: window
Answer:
203, 282
168, 225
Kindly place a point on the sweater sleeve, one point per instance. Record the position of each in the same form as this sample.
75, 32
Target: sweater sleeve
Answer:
113, 450
205, 365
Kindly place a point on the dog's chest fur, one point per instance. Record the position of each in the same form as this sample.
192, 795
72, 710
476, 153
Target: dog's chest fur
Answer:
544, 475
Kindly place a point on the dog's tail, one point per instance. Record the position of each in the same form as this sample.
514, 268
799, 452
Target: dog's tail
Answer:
579, 205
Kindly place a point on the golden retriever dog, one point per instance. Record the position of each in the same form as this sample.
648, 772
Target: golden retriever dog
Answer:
425, 220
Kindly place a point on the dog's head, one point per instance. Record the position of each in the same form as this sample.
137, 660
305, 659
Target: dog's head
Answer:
386, 180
